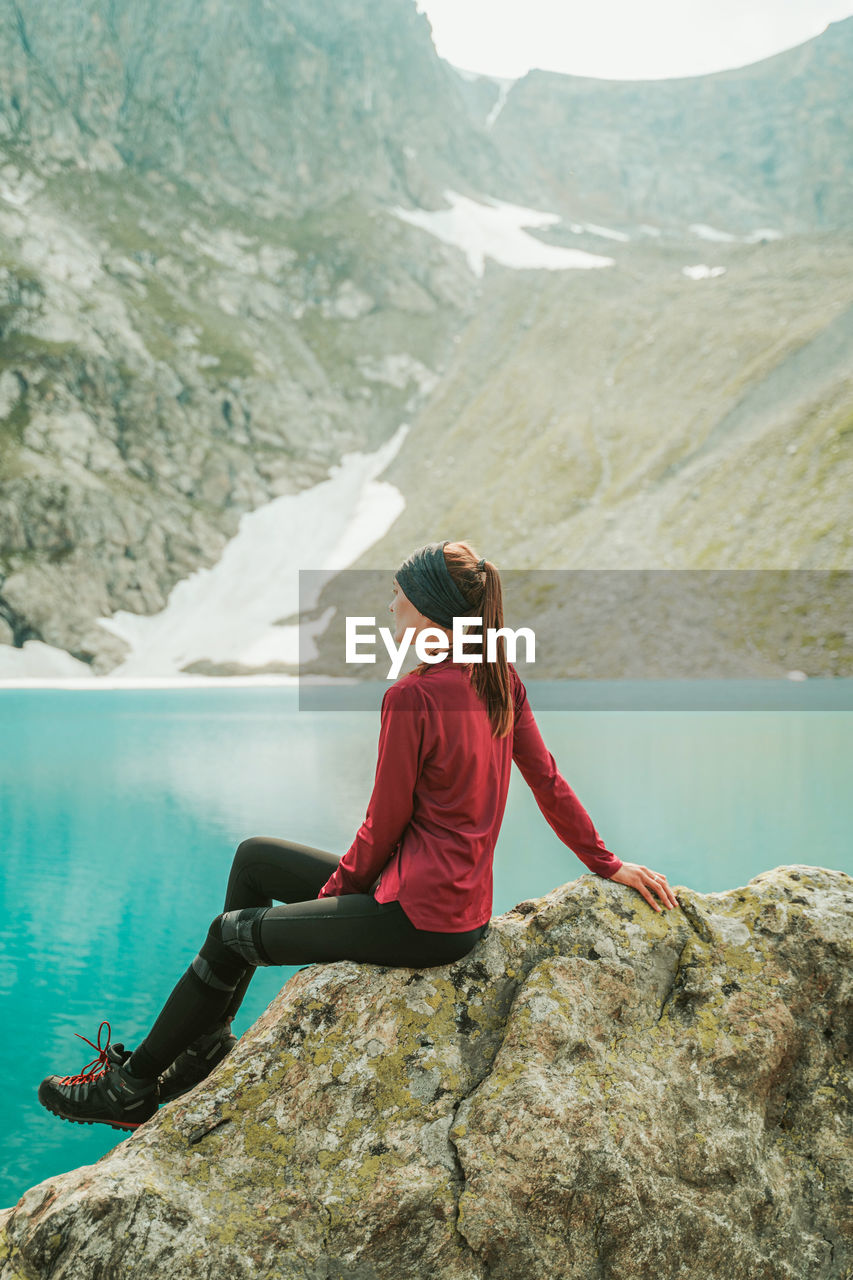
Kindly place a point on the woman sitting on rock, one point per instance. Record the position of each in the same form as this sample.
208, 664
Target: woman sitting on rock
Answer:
415, 887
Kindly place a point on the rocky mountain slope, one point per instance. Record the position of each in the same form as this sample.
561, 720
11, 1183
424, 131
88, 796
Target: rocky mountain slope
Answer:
595, 1090
181, 340
164, 374
207, 295
764, 145
634, 417
294, 105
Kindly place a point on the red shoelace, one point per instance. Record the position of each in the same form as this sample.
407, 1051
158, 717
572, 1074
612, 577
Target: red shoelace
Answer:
99, 1066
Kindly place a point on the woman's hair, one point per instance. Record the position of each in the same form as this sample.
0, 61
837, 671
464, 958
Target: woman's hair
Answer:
483, 590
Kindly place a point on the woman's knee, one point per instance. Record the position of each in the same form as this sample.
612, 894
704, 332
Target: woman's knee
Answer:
239, 932
231, 944
247, 856
247, 849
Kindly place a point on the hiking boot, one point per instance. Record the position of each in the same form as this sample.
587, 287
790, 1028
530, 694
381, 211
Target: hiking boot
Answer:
196, 1063
104, 1092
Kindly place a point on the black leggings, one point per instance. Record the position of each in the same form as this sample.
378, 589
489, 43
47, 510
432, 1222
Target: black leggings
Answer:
305, 930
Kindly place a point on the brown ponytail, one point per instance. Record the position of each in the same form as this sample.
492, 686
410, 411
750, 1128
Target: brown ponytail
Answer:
483, 589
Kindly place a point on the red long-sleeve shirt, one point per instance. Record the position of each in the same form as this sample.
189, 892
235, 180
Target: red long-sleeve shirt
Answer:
439, 796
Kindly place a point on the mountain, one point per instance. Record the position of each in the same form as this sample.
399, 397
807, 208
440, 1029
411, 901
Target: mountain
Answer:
224, 265
292, 104
181, 340
764, 145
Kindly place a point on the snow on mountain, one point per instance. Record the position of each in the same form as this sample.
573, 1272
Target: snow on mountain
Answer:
38, 661
702, 272
705, 232
500, 102
595, 230
494, 230
229, 613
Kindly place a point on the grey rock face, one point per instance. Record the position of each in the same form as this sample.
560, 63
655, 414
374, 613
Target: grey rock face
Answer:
153, 395
176, 332
595, 1089
291, 103
767, 145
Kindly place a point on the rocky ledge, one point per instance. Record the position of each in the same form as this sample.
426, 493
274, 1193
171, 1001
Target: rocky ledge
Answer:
595, 1091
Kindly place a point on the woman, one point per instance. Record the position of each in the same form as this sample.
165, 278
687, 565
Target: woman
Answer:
415, 887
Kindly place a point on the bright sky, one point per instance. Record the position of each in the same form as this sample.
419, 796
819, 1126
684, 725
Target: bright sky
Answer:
622, 39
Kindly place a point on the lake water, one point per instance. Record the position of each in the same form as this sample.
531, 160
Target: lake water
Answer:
121, 811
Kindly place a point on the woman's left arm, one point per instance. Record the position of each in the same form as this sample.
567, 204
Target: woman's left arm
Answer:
400, 757
557, 801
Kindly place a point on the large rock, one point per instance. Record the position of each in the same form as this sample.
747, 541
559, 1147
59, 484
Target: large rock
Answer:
596, 1091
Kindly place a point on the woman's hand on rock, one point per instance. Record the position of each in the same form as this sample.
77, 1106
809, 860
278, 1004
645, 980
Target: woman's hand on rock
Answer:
646, 882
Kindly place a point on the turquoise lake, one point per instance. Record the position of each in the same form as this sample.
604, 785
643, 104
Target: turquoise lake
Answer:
121, 810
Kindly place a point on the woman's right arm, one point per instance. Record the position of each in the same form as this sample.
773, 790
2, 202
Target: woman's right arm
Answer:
398, 766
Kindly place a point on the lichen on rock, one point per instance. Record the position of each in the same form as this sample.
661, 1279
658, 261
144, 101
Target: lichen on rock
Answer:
596, 1090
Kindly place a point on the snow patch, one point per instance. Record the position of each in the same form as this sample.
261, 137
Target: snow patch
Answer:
39, 660
500, 101
228, 613
701, 272
705, 232
606, 232
494, 230
593, 229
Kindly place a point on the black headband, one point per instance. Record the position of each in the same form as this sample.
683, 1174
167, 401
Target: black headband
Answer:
428, 583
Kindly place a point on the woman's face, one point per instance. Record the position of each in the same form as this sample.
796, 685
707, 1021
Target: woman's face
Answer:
406, 615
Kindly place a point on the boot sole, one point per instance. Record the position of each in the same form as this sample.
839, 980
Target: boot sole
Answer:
113, 1124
